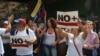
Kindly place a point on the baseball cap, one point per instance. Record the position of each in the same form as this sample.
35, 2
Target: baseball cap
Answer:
21, 21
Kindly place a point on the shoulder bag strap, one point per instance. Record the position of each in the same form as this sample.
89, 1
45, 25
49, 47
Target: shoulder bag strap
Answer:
76, 48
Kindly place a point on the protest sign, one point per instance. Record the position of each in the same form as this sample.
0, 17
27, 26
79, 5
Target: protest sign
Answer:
19, 41
67, 19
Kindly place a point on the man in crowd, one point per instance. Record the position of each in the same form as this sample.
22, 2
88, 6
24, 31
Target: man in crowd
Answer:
22, 30
5, 30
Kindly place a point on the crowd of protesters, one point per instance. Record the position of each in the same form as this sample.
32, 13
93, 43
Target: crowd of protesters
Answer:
46, 39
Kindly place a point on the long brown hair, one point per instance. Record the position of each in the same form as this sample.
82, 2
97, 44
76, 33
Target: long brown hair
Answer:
53, 23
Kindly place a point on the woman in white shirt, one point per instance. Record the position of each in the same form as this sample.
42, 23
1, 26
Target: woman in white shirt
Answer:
75, 40
50, 38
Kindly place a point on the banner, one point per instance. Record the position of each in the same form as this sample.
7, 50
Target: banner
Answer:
19, 41
67, 19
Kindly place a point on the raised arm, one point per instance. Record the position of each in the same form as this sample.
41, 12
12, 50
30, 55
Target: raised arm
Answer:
8, 28
82, 28
62, 34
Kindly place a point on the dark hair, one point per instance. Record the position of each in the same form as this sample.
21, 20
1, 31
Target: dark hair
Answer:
53, 22
27, 21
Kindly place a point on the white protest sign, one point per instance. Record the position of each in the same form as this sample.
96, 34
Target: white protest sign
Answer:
67, 19
19, 41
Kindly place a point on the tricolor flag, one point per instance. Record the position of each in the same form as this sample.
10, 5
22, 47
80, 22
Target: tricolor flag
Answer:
39, 11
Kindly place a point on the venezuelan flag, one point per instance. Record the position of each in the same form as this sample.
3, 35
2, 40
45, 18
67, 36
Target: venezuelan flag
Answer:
39, 11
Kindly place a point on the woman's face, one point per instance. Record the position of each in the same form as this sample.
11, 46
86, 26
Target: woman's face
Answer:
48, 23
88, 27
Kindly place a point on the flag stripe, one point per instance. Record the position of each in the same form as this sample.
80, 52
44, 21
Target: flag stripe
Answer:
41, 13
36, 9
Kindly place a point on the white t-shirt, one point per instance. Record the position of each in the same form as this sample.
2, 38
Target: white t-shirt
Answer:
5, 38
2, 31
71, 48
29, 50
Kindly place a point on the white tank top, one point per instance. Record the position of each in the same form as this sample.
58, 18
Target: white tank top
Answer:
49, 38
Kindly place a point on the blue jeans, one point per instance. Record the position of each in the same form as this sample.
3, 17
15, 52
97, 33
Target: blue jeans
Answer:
94, 52
50, 50
25, 55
